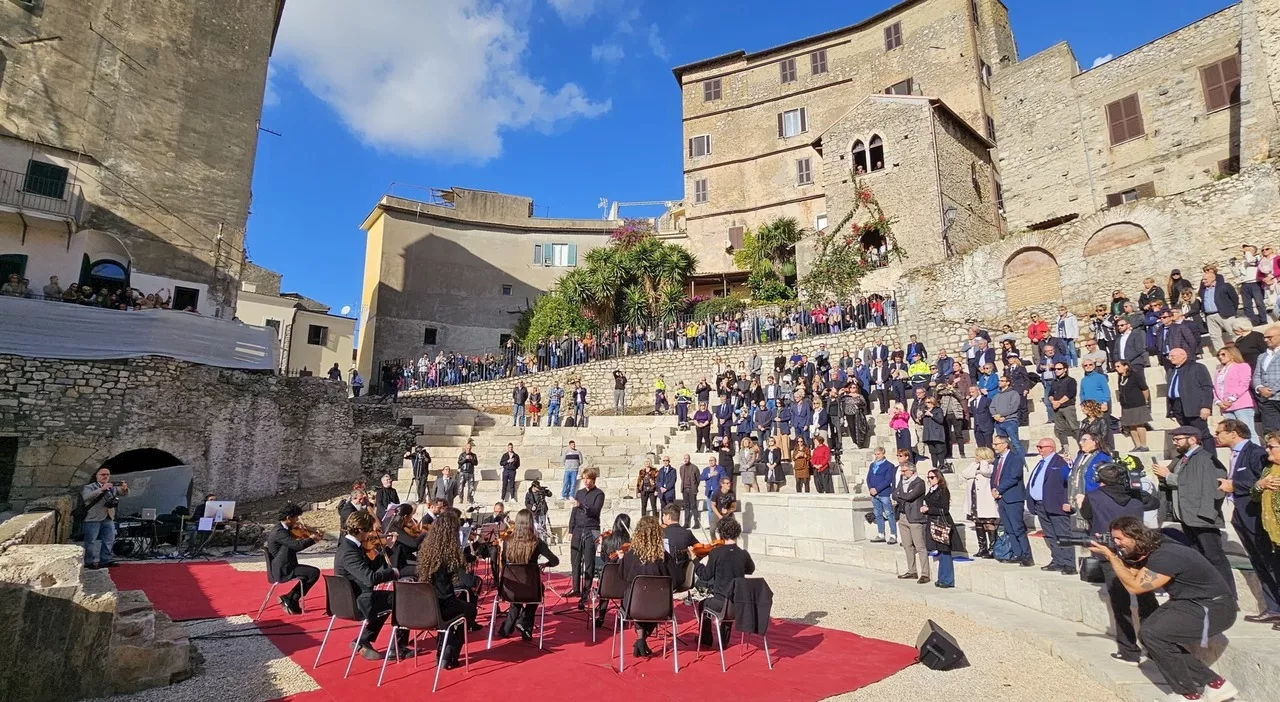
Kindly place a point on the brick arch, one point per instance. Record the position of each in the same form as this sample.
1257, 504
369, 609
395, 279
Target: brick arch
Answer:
1117, 235
84, 472
1031, 278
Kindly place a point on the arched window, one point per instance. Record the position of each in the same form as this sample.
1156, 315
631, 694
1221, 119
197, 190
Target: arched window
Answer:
859, 157
877, 154
104, 273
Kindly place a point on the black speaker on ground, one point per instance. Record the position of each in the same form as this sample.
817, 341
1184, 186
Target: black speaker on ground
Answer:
936, 648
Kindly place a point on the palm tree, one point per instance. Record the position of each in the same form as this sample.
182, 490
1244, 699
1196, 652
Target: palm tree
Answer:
773, 244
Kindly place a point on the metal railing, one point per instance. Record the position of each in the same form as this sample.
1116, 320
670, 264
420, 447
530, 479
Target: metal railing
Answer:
30, 193
729, 330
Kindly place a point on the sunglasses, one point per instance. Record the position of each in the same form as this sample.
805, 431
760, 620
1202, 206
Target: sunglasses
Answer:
933, 477
1059, 368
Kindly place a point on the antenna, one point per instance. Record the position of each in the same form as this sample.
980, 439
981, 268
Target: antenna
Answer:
603, 205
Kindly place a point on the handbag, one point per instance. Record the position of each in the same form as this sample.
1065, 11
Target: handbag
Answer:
940, 531
1091, 570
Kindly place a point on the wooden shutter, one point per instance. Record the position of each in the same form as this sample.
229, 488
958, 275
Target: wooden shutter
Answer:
537, 254
548, 254
1124, 119
781, 129
1221, 83
1114, 199
573, 254
735, 237
691, 148
1146, 190
804, 120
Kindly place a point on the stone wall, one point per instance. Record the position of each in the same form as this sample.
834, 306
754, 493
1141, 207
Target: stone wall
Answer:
688, 365
32, 528
1081, 262
246, 435
69, 634
383, 440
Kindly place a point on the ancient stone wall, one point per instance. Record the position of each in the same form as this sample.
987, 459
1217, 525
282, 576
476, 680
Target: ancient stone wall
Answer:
1081, 262
246, 435
383, 440
688, 365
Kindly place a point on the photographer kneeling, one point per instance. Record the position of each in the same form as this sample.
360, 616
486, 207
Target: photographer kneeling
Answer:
1199, 606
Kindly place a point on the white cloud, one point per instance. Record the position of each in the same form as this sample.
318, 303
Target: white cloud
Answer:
271, 95
607, 53
658, 48
1101, 60
575, 11
438, 77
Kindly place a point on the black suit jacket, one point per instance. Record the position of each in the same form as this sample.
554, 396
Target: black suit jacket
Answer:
1134, 351
351, 563
284, 552
1178, 336
1195, 388
1250, 466
510, 462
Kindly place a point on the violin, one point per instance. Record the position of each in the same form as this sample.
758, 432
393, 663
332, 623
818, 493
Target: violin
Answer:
414, 528
703, 550
302, 531
373, 543
622, 551
603, 535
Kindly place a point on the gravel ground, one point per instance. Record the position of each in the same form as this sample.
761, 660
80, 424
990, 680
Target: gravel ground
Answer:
245, 667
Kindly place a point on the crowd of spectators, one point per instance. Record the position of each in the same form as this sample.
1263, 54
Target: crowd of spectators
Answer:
75, 293
622, 341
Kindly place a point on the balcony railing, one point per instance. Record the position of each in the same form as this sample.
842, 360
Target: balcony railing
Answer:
53, 197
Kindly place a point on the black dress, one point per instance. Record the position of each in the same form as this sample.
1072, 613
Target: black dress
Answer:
632, 568
451, 606
523, 614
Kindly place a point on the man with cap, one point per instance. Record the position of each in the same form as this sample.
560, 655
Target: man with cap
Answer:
1196, 478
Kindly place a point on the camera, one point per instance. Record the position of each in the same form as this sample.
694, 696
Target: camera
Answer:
1083, 540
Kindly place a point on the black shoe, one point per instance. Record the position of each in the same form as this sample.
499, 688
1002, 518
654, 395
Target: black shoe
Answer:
572, 593
369, 653
289, 606
923, 579
943, 585
907, 576
451, 665
525, 634
582, 605
1026, 563
1051, 567
1069, 571
1126, 659
473, 626
404, 653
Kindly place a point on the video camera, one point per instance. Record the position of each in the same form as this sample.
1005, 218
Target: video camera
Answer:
1083, 540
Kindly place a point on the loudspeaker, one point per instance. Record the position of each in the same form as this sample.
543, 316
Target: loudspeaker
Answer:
936, 648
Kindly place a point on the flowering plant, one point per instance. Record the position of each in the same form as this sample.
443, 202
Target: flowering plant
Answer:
847, 251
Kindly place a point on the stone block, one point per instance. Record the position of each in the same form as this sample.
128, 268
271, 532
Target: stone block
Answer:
810, 549
1022, 588
1062, 597
988, 580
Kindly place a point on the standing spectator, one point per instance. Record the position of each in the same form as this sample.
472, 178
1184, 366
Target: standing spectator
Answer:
1197, 478
940, 528
1003, 408
821, 461
1135, 403
800, 465
980, 416
1248, 464
1176, 285
1062, 404
908, 498
535, 408
1231, 387
1130, 345
619, 391
647, 488
555, 395
1011, 498
100, 499
510, 463
666, 483
660, 404
1047, 501
1037, 333
1065, 332
519, 396
690, 478
934, 433
684, 398
713, 476
880, 478
979, 503
702, 427
1152, 292
1190, 394
1255, 306
1266, 380
467, 463
53, 291
899, 423
579, 405
1220, 303
1249, 342
571, 459
774, 478
357, 383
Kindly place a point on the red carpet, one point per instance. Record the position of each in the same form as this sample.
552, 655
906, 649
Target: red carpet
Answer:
810, 662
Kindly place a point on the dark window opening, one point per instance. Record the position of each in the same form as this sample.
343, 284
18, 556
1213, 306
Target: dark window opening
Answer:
859, 157
139, 460
506, 291
991, 128
902, 87
274, 324
8, 464
45, 179
429, 336
185, 297
317, 335
877, 154
503, 339
12, 264
105, 273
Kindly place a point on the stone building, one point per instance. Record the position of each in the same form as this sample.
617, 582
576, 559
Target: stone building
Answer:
128, 132
925, 164
749, 119
1161, 119
309, 337
452, 272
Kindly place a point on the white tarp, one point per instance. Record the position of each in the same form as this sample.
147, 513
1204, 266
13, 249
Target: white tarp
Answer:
48, 329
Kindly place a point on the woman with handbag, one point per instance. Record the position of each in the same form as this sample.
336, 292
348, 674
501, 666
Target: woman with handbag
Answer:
979, 504
940, 534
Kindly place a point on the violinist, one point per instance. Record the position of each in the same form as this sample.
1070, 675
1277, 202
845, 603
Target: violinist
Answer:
676, 539
441, 563
354, 563
722, 567
646, 557
403, 554
357, 501
613, 544
286, 541
524, 547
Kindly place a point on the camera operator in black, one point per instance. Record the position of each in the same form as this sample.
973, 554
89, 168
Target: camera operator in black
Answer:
1115, 498
1199, 606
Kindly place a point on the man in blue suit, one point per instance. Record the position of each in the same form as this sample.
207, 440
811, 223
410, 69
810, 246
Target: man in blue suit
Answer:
1011, 499
984, 425
1047, 500
915, 348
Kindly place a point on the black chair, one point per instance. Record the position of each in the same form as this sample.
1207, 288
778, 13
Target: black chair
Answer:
340, 603
726, 616
648, 602
301, 600
519, 585
417, 609
686, 583
609, 586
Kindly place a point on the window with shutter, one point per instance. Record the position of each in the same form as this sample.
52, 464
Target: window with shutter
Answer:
787, 67
902, 87
818, 62
893, 36
573, 254
973, 10
984, 70
1221, 82
537, 254
711, 90
735, 237
700, 146
1000, 197
793, 122
548, 254
700, 191
804, 176
1124, 119
991, 127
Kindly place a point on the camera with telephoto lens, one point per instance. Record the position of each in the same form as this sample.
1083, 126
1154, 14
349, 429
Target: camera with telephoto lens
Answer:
1083, 540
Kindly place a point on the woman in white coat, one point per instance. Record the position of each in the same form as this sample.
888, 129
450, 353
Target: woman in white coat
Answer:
979, 505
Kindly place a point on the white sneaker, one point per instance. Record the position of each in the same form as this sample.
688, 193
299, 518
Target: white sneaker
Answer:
892, 540
878, 539
1226, 692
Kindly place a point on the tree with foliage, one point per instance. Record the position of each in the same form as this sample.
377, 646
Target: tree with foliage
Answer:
769, 252
636, 277
841, 261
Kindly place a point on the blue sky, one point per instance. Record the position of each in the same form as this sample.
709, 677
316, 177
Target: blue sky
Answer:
565, 101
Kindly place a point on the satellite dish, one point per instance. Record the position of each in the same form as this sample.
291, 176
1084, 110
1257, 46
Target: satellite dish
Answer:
346, 310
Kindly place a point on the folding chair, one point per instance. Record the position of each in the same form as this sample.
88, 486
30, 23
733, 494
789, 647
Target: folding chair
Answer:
519, 585
650, 602
725, 616
417, 609
274, 583
340, 603
609, 586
